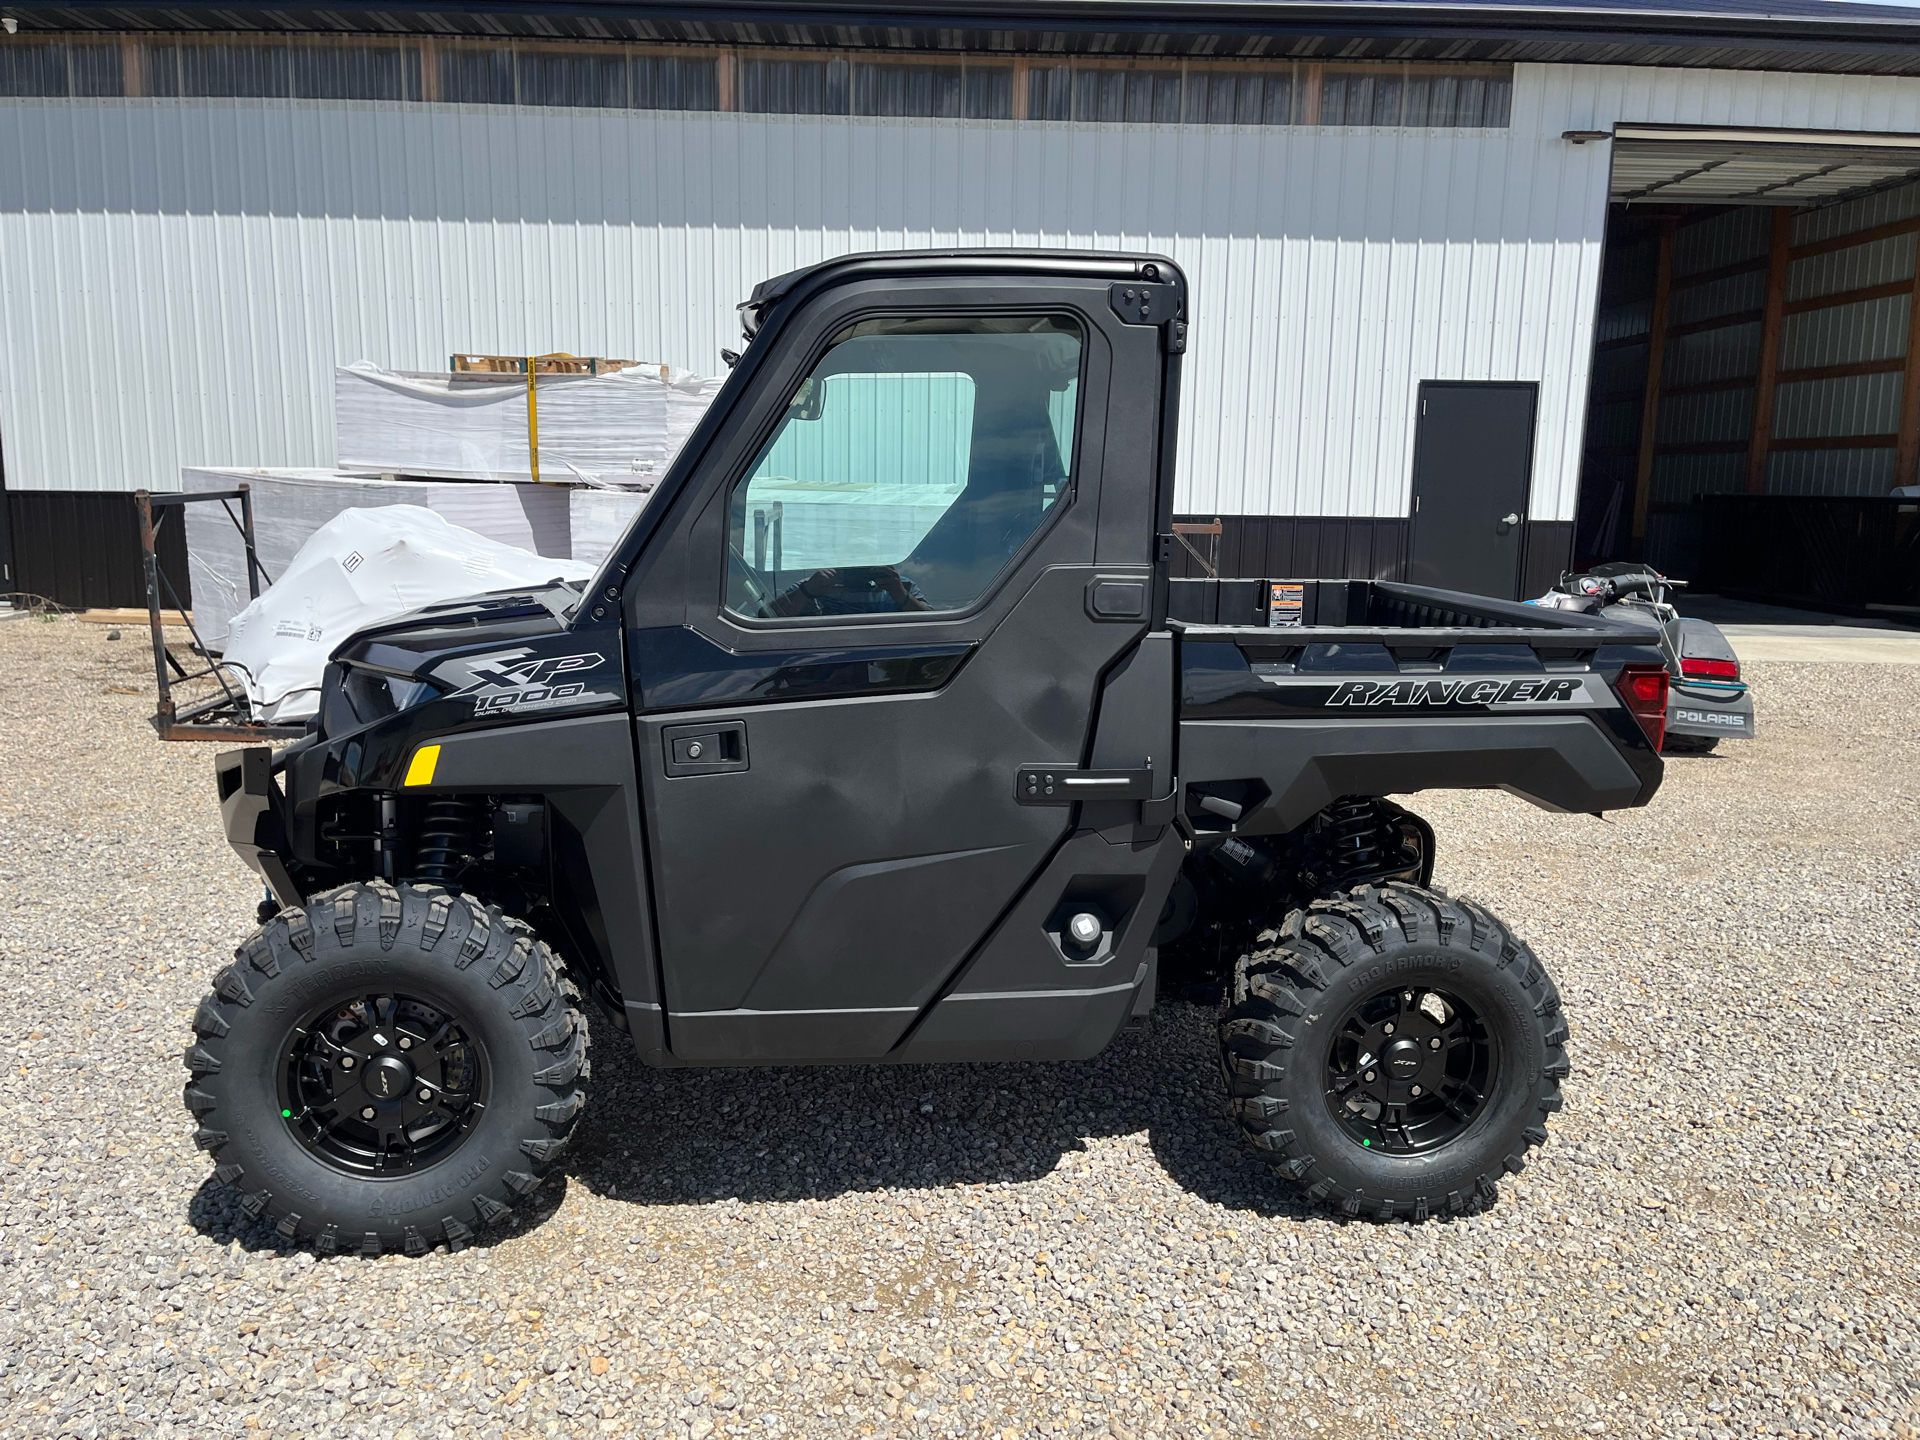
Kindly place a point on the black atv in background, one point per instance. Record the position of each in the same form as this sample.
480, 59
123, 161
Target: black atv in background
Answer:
885, 736
1707, 701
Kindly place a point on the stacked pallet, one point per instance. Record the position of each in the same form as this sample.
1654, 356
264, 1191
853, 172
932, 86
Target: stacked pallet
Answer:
554, 454
616, 427
540, 364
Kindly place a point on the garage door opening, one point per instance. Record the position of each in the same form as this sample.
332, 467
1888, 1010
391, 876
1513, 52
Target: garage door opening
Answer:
1755, 400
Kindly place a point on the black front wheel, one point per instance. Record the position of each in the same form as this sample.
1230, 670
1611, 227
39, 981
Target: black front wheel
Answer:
386, 1069
1393, 1052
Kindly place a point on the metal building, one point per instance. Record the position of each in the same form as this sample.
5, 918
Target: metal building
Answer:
1625, 273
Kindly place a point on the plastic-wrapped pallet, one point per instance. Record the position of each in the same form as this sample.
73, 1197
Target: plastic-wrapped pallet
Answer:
598, 518
621, 428
394, 423
358, 569
290, 505
688, 397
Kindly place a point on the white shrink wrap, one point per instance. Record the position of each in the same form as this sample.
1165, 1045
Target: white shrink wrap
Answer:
688, 397
290, 505
598, 518
617, 429
359, 568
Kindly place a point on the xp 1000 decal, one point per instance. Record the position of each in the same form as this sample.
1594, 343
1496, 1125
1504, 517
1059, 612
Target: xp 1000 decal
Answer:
521, 680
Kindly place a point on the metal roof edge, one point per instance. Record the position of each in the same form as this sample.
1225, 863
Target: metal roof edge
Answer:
1838, 19
1754, 134
1833, 35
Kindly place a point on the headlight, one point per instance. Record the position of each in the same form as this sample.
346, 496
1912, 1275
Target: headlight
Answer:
409, 693
370, 695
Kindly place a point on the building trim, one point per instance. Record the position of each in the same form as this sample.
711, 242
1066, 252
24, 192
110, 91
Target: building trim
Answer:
1821, 37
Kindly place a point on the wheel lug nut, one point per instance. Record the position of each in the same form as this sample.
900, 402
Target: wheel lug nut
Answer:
426, 1094
346, 1062
1387, 1029
406, 1042
368, 1113
1415, 1090
1434, 1043
1370, 1076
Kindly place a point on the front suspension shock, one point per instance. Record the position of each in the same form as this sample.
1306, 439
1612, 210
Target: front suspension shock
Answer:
450, 834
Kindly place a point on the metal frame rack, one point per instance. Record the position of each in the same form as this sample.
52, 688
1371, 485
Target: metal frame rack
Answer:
226, 715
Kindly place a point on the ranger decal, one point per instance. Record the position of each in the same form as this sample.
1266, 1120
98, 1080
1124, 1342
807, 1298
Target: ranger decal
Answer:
1288, 692
1549, 690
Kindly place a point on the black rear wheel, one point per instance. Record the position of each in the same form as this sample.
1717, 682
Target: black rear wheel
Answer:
387, 1069
1393, 1052
1410, 1069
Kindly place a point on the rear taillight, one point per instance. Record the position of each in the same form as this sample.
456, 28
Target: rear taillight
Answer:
1644, 688
1711, 669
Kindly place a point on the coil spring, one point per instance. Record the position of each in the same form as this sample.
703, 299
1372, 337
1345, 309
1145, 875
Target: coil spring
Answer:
449, 834
1360, 841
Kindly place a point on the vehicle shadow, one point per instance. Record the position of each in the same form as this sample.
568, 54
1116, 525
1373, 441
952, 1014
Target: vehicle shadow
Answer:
652, 1137
678, 1137
215, 1211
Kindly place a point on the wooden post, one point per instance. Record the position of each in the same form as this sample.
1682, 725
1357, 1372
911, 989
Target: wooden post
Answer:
1760, 439
1650, 401
1906, 454
429, 69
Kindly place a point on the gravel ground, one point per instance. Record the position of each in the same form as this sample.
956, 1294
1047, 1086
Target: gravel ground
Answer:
1718, 1239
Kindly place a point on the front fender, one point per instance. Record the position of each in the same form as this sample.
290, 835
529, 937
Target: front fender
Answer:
583, 767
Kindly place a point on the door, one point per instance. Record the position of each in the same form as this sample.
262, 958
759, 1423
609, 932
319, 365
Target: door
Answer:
1472, 464
891, 586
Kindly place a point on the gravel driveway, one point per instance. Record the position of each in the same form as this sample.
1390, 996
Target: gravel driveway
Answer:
1719, 1239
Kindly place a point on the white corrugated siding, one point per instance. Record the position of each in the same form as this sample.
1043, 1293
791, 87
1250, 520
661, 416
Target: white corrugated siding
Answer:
179, 278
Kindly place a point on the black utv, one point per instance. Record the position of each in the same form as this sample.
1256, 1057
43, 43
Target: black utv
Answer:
885, 736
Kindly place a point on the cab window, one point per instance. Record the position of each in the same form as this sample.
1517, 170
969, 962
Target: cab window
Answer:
910, 468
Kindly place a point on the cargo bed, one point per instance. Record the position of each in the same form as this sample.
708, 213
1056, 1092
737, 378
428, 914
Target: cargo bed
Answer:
1329, 687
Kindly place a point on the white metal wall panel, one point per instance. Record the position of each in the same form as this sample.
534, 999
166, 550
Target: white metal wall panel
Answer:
181, 277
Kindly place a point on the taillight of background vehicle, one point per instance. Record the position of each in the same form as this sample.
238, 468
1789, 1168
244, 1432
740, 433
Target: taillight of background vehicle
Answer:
1644, 688
1697, 669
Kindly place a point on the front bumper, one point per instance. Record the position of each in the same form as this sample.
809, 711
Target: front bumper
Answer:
253, 812
1722, 711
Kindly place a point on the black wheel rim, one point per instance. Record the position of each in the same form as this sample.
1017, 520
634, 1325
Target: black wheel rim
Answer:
383, 1083
1410, 1069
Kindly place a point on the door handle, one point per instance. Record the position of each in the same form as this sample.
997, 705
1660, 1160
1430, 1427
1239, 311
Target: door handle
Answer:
1063, 785
1060, 785
715, 748
1513, 519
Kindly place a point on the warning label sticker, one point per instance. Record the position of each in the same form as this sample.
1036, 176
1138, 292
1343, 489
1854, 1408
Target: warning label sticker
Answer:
1284, 604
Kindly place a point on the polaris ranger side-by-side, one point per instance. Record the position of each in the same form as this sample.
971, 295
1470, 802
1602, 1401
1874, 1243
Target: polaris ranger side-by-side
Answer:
885, 736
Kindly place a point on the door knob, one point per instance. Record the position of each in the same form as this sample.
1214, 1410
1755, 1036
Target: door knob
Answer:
1513, 519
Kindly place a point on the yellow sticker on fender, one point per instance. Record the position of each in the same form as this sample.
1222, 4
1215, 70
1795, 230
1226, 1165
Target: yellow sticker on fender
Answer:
420, 771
